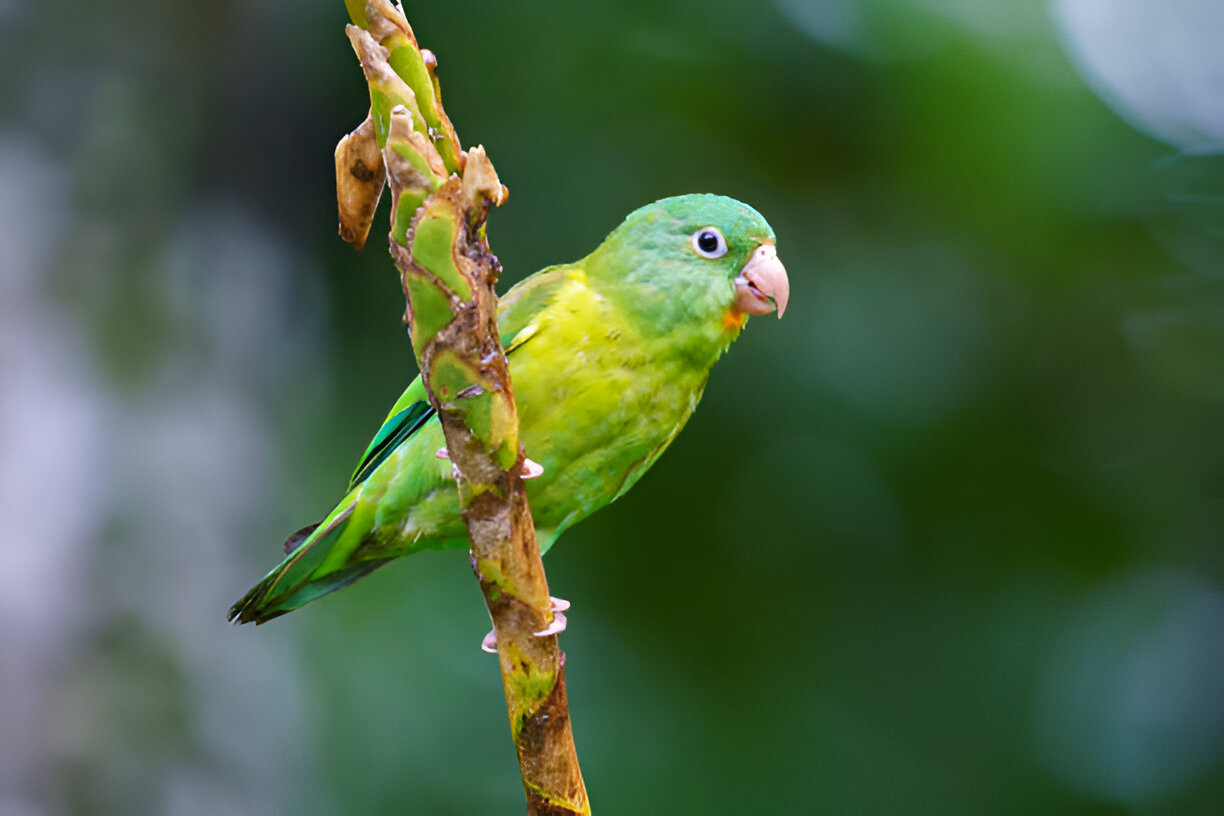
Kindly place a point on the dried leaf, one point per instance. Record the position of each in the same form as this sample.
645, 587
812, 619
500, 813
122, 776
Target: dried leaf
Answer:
360, 177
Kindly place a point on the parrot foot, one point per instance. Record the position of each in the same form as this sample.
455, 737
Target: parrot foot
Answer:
558, 607
531, 469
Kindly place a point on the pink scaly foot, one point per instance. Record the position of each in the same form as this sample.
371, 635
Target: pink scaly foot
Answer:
556, 605
531, 469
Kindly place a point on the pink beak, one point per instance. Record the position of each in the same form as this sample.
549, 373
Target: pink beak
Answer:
762, 285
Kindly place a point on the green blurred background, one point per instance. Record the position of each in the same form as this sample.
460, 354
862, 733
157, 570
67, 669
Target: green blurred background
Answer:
946, 540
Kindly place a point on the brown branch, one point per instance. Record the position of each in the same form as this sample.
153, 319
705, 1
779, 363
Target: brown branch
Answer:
441, 198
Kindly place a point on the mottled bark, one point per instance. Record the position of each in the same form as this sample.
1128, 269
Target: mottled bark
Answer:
441, 197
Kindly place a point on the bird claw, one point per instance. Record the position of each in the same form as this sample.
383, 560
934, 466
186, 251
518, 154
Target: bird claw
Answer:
531, 468
556, 627
443, 453
558, 607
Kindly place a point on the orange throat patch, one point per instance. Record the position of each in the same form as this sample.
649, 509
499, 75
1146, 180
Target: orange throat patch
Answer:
733, 319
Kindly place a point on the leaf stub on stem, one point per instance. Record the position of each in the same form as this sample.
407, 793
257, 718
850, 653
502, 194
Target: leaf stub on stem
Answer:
441, 197
360, 178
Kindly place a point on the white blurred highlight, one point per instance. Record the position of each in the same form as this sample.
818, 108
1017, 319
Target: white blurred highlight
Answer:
1159, 64
51, 416
123, 508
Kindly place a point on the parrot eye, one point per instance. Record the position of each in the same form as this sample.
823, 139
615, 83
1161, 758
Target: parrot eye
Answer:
709, 243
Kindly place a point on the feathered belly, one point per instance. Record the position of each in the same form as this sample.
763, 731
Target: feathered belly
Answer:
595, 428
595, 431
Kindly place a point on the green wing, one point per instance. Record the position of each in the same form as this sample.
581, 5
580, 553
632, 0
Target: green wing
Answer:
412, 410
329, 556
525, 301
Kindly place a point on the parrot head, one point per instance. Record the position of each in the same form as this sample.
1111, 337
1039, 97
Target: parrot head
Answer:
694, 262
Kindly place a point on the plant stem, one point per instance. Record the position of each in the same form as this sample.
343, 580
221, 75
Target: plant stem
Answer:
441, 197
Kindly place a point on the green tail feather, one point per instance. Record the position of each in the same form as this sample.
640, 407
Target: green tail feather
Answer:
296, 580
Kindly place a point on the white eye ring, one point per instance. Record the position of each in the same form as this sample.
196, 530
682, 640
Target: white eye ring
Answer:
709, 242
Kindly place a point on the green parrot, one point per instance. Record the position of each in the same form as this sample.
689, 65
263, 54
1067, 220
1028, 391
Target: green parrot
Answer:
608, 357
